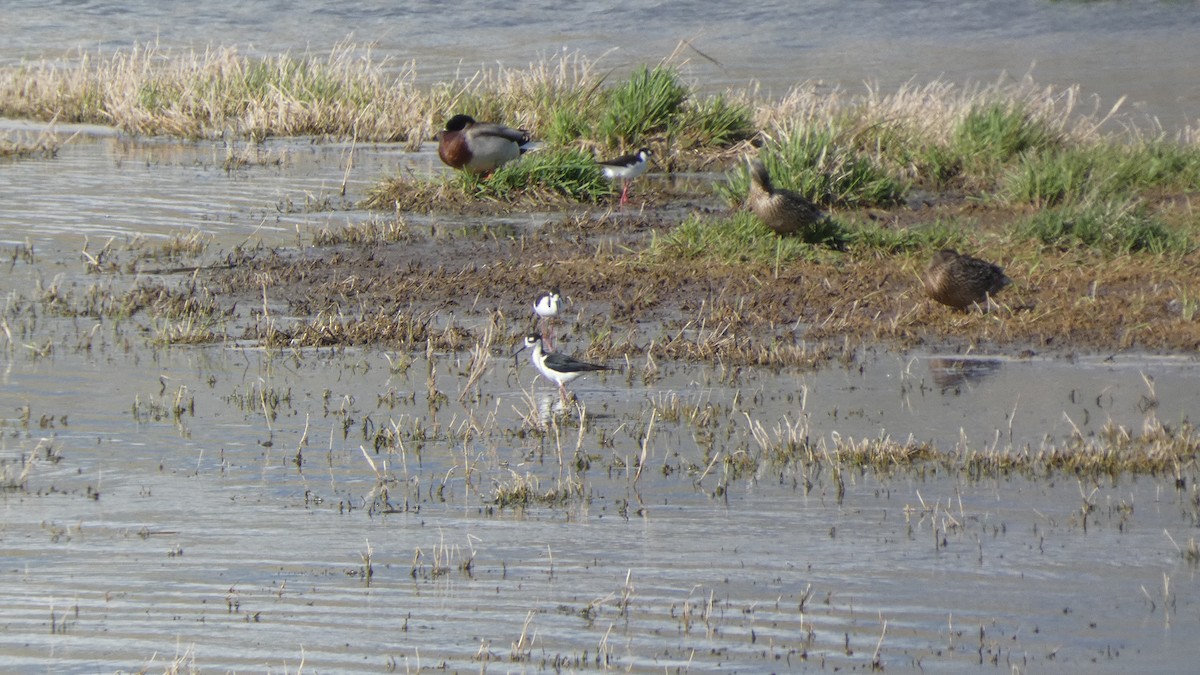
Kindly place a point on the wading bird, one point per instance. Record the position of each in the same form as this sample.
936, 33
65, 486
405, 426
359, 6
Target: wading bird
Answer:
625, 168
558, 368
546, 308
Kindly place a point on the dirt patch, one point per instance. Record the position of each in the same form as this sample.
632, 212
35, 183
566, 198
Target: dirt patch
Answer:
622, 300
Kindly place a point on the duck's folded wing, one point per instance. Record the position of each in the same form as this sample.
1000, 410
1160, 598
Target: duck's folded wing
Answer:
518, 136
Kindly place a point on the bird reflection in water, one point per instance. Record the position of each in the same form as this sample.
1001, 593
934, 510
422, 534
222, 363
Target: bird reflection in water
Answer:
950, 375
549, 406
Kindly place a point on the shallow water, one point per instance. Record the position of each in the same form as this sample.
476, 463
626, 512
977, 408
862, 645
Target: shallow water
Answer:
1145, 50
208, 538
235, 540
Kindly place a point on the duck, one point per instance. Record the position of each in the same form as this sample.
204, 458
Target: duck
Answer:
784, 211
479, 147
959, 281
625, 168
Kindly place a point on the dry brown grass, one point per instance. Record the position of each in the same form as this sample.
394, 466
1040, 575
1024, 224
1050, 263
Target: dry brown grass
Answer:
401, 330
346, 93
1061, 301
404, 193
351, 93
922, 114
933, 110
525, 97
18, 145
369, 233
153, 91
1156, 449
812, 312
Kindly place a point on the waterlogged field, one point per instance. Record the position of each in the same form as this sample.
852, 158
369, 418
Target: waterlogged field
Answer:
242, 519
230, 507
264, 414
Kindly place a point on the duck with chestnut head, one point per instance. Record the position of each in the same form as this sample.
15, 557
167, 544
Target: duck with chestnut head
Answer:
480, 147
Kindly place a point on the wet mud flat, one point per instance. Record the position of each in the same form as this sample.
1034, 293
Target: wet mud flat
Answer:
628, 295
679, 326
356, 476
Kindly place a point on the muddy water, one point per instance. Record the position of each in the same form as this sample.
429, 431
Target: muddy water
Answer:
236, 534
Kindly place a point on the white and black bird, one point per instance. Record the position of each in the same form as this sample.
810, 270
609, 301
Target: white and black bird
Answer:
546, 307
558, 368
625, 168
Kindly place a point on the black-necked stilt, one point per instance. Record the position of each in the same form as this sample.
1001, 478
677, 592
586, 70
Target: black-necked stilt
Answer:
558, 368
546, 308
626, 168
547, 305
960, 281
783, 211
479, 147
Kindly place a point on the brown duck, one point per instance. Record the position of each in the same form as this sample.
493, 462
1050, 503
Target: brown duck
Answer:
960, 281
783, 211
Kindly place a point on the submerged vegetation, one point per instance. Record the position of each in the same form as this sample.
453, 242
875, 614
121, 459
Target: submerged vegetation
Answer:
45, 145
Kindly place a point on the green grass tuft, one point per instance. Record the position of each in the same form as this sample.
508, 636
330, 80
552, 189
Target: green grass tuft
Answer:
714, 122
1157, 163
566, 126
1115, 226
1083, 174
875, 238
993, 133
1050, 179
811, 163
544, 175
740, 238
645, 104
651, 105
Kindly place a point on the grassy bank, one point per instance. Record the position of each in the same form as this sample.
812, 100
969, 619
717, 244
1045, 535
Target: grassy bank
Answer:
350, 94
1071, 173
1092, 218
